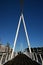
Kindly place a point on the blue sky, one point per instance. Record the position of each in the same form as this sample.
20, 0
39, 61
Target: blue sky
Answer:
9, 18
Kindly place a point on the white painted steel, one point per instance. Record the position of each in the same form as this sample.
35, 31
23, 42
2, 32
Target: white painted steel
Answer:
21, 17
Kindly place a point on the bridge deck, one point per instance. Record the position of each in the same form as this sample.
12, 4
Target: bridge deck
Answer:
21, 59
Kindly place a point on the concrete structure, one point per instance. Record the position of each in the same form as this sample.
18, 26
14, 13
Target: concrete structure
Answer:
5, 53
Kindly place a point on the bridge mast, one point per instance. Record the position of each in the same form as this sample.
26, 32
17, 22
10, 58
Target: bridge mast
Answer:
21, 17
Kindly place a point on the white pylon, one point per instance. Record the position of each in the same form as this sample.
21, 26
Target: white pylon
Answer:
21, 18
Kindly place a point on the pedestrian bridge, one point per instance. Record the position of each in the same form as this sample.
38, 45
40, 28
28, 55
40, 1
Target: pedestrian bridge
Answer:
34, 56
38, 57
